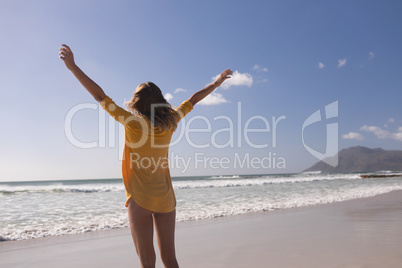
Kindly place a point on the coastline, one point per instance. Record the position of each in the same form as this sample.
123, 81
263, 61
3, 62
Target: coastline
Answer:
356, 233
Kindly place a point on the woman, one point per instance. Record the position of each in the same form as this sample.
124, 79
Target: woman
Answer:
148, 130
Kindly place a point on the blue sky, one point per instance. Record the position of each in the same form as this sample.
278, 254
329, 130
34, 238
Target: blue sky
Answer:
292, 57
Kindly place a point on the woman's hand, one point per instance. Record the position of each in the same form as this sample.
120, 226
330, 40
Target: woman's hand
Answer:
222, 77
201, 94
67, 56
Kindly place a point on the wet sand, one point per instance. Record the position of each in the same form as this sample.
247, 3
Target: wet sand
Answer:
358, 233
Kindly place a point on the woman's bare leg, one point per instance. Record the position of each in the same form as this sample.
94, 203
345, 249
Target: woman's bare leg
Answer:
165, 227
142, 230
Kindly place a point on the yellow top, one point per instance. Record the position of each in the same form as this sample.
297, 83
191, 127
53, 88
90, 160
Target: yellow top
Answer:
145, 165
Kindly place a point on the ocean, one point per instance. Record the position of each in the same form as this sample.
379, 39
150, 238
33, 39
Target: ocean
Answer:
30, 210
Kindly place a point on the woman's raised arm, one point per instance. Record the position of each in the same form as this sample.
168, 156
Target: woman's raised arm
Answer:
67, 56
199, 95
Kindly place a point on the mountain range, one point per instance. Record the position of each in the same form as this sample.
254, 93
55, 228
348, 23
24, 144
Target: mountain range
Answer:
362, 159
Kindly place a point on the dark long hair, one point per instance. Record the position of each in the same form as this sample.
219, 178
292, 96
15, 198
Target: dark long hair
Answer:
148, 101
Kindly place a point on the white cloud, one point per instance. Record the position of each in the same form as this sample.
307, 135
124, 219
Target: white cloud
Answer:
397, 136
177, 90
237, 79
377, 131
259, 68
383, 134
168, 96
341, 63
391, 120
371, 55
353, 136
213, 99
321, 65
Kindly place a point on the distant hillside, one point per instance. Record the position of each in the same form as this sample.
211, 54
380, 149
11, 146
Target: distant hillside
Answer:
362, 159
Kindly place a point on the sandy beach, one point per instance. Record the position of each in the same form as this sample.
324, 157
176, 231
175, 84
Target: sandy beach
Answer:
359, 233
